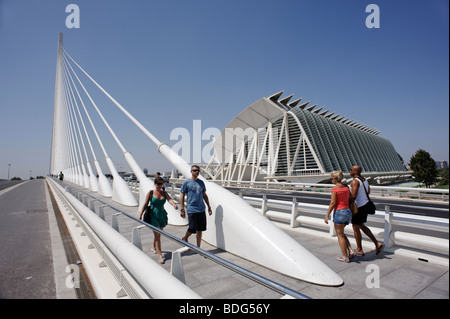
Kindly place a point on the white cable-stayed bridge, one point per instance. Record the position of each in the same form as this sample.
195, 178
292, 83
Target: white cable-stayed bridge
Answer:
235, 226
233, 223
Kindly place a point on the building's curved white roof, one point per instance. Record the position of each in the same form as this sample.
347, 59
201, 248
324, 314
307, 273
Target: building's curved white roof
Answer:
255, 116
308, 139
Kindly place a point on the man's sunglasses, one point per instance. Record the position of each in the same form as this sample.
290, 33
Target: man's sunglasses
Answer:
195, 170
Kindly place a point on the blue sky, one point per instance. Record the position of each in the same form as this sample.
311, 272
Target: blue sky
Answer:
171, 62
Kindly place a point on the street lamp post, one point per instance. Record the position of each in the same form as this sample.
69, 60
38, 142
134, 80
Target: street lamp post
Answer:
9, 167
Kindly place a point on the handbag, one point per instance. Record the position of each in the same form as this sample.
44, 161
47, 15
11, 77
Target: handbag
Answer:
352, 205
147, 214
148, 211
370, 206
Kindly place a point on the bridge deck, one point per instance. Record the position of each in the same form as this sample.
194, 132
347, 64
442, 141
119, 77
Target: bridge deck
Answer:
400, 277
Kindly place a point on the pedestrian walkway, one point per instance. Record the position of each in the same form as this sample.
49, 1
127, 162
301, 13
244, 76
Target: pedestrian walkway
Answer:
370, 276
386, 276
27, 260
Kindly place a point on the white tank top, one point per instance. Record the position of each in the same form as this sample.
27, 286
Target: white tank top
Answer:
361, 197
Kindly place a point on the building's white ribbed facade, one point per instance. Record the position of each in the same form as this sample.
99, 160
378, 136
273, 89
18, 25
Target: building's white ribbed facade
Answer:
277, 139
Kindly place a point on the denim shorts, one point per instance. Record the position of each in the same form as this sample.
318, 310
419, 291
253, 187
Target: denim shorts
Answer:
342, 216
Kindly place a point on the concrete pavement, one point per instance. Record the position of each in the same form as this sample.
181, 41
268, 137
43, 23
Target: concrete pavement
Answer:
384, 276
32, 256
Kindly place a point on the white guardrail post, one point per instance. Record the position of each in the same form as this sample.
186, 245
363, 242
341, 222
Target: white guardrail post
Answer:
136, 236
388, 241
264, 205
294, 213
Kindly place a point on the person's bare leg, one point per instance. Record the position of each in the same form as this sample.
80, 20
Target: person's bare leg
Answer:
342, 241
199, 238
369, 234
358, 239
157, 244
186, 237
351, 252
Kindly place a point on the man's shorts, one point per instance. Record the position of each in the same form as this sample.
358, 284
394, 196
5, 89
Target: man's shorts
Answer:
197, 222
361, 217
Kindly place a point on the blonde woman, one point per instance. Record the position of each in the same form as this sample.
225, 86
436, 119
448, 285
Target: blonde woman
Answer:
340, 196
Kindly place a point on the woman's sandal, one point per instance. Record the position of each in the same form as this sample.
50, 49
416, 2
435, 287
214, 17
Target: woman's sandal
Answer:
162, 260
379, 249
359, 254
352, 254
343, 259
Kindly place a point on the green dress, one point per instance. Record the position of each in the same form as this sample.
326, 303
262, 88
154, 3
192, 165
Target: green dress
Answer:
158, 217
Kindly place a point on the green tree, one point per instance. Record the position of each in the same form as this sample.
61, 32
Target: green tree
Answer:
423, 168
444, 176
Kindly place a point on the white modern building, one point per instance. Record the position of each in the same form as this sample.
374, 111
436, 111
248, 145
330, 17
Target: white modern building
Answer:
279, 139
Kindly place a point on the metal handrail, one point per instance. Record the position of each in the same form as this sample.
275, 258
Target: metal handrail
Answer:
287, 202
378, 191
281, 184
328, 199
237, 269
292, 196
382, 190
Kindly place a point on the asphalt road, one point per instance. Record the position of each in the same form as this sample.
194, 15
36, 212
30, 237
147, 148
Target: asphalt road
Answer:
26, 268
6, 184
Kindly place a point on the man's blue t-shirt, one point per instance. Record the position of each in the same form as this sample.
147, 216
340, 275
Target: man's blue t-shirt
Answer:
194, 190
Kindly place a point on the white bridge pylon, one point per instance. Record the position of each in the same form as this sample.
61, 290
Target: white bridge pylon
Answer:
234, 226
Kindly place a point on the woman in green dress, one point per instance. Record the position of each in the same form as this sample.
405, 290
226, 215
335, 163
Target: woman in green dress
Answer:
158, 218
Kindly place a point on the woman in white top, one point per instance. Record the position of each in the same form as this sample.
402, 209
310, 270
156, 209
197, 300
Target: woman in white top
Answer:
358, 220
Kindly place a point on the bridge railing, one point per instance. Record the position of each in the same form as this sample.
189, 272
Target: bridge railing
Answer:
394, 228
134, 263
292, 211
382, 191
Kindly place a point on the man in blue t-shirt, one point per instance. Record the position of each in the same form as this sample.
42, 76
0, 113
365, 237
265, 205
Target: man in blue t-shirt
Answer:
195, 190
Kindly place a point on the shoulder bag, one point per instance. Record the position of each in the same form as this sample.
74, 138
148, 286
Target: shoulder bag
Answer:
370, 206
149, 210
